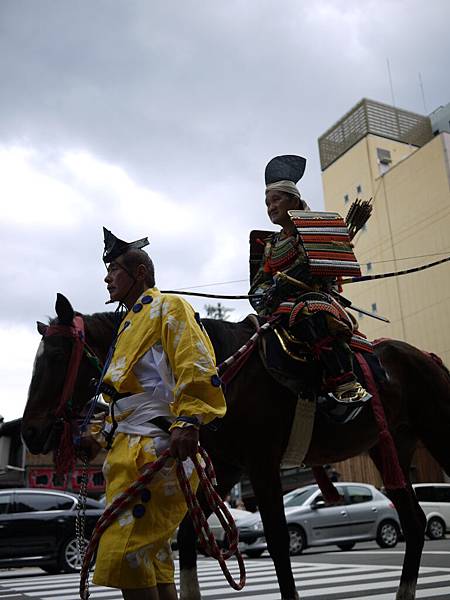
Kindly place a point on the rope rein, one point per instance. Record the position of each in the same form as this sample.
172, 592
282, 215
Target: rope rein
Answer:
207, 541
230, 367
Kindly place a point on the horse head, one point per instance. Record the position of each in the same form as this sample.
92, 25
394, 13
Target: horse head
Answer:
61, 379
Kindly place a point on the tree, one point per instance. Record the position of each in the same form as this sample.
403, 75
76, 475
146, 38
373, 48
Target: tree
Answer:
217, 311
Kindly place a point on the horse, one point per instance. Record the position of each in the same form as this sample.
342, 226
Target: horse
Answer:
254, 433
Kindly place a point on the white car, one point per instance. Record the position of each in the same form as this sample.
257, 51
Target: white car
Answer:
434, 498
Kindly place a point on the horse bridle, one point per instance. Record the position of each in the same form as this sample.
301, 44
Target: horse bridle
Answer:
75, 331
64, 455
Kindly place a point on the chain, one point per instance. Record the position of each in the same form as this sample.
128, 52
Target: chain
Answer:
80, 522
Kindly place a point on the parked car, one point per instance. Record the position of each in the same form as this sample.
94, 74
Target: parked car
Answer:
364, 514
434, 498
251, 534
38, 529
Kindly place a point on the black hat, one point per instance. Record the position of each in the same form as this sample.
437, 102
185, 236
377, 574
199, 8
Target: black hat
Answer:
115, 247
287, 167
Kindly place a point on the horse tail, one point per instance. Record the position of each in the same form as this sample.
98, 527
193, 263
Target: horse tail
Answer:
423, 382
432, 417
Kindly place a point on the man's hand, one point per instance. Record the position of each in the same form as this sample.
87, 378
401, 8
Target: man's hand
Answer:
183, 442
88, 446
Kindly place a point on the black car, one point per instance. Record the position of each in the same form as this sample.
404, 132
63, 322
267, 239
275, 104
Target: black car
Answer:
37, 528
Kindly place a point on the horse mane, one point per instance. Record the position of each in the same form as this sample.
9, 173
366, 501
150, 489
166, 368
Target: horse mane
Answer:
227, 336
438, 360
98, 326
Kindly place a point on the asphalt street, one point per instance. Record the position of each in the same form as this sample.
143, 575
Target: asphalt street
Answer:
365, 573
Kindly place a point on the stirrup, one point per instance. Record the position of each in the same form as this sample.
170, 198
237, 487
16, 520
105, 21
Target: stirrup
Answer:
351, 392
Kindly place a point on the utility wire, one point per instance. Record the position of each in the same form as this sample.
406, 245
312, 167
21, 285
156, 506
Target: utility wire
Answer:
426, 220
203, 285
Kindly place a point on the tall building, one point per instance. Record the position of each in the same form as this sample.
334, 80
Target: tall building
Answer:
391, 155
402, 161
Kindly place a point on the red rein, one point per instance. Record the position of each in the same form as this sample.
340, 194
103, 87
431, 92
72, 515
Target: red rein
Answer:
64, 455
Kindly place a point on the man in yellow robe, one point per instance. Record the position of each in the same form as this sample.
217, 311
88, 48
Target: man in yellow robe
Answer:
163, 382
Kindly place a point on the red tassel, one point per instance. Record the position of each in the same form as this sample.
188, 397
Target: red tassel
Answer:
393, 477
391, 472
329, 492
65, 456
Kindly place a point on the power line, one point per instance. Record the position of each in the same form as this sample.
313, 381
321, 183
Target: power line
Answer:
407, 228
401, 237
204, 285
193, 287
378, 262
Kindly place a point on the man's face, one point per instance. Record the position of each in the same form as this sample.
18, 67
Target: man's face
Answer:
278, 203
118, 281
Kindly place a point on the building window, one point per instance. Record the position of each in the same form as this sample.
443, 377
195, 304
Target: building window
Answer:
384, 156
346, 199
374, 307
369, 266
384, 160
359, 189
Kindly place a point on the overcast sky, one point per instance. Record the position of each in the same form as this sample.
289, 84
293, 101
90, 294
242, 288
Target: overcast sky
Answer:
158, 117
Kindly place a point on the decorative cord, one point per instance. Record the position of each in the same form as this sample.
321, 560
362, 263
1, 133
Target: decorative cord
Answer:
207, 541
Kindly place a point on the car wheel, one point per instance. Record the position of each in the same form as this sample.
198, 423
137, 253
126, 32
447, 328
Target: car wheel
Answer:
388, 534
69, 557
51, 569
346, 545
435, 528
254, 553
297, 540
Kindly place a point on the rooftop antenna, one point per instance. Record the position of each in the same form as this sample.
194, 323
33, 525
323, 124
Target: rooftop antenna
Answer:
423, 93
390, 82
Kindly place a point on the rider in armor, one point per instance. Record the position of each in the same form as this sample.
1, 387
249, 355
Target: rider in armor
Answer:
305, 300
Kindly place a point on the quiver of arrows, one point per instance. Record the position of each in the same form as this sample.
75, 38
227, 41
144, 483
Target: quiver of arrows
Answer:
358, 215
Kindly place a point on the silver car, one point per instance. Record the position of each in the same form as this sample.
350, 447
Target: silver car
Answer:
364, 514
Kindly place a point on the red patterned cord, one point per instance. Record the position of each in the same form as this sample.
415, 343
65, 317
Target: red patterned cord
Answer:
207, 541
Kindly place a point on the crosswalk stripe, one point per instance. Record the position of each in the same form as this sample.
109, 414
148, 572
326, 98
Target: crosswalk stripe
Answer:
421, 593
267, 575
321, 572
346, 589
311, 570
314, 580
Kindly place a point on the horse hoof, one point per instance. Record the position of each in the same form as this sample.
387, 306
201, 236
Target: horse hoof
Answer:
189, 587
406, 591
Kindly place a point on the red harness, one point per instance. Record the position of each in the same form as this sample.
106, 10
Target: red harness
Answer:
65, 455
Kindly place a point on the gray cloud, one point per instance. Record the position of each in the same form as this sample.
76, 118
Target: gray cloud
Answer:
158, 118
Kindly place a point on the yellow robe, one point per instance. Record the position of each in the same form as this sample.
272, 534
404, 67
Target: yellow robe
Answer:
134, 551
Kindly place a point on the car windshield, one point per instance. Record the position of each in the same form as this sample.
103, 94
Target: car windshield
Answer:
296, 498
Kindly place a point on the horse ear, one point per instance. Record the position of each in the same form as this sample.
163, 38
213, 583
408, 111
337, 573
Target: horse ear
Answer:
64, 310
41, 327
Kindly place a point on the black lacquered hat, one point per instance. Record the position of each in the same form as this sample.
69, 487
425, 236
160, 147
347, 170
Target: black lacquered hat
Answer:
287, 167
114, 247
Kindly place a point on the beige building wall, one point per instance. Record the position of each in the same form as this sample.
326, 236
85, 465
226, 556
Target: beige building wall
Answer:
410, 226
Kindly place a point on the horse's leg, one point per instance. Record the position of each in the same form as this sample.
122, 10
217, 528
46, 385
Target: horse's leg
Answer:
411, 516
187, 537
187, 557
265, 478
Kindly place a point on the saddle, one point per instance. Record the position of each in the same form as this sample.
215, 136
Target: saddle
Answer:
291, 363
286, 359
